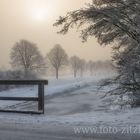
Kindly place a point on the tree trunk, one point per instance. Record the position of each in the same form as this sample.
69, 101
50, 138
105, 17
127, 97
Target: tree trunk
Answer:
75, 74
26, 73
91, 73
57, 73
81, 73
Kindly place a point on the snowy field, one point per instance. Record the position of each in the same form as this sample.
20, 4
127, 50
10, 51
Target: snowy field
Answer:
69, 103
63, 85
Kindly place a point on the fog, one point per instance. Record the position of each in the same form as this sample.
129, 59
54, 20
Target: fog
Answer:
33, 20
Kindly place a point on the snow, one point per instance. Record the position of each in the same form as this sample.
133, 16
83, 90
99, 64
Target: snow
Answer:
54, 87
64, 84
78, 103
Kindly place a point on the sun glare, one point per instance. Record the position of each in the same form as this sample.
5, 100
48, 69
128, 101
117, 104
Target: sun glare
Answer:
39, 13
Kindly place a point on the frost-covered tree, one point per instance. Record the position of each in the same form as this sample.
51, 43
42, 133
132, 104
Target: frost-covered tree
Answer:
58, 58
112, 22
74, 61
26, 56
128, 65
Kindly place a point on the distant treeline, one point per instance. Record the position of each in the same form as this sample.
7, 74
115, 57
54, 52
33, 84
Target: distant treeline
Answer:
28, 63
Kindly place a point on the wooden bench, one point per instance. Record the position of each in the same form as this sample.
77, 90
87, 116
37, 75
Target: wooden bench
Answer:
39, 99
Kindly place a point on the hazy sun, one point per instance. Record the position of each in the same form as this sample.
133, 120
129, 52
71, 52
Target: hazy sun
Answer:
39, 13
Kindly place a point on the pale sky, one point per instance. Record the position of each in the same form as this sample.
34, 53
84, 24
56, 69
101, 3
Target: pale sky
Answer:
33, 19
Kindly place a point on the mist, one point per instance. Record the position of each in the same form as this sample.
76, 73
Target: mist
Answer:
19, 20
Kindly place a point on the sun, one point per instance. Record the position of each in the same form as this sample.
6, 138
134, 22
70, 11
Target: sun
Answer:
39, 14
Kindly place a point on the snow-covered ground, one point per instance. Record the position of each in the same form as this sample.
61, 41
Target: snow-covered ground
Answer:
63, 85
70, 102
80, 107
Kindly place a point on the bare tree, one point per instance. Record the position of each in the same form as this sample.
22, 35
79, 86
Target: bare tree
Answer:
26, 56
58, 58
74, 60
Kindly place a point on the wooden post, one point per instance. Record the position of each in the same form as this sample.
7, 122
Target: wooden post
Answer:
41, 97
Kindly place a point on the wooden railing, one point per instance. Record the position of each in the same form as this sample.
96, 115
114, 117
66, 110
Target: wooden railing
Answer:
39, 99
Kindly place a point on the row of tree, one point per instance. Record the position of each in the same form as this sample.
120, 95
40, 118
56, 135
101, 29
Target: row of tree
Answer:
25, 56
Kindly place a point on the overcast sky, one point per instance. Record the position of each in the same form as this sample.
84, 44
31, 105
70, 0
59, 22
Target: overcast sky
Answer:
33, 19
